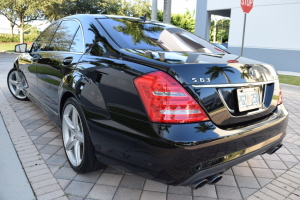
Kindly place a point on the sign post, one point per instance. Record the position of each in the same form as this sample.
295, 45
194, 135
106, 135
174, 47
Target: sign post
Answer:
247, 6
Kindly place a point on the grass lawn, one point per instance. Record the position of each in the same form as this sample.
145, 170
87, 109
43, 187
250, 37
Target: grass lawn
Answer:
292, 80
10, 46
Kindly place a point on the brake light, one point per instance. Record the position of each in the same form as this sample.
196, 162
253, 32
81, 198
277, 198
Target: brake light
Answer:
280, 100
166, 101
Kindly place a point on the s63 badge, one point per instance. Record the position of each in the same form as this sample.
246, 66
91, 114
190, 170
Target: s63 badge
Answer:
201, 80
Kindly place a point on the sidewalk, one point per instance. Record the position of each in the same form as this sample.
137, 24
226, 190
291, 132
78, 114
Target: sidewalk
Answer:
288, 73
13, 181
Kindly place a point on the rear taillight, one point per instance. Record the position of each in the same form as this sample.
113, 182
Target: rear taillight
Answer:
280, 100
166, 101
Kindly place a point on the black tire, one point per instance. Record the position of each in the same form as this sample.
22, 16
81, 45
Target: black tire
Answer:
19, 84
89, 161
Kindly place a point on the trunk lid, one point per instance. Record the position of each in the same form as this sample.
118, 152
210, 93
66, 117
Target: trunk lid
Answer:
230, 88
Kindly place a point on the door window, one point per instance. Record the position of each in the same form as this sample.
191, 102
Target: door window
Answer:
77, 44
64, 35
42, 42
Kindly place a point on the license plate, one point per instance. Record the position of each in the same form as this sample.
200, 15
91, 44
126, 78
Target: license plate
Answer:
249, 99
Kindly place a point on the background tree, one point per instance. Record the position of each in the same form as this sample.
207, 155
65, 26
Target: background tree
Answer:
26, 11
185, 21
65, 8
7, 9
132, 8
222, 30
30, 29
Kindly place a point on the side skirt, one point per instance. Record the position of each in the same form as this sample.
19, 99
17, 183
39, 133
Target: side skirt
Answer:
48, 111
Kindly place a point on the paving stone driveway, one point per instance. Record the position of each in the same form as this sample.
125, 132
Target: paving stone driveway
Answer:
238, 183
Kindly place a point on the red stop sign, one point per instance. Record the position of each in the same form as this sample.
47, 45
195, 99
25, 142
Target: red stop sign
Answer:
247, 5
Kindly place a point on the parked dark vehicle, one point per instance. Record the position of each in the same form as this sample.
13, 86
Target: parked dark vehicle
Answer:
150, 98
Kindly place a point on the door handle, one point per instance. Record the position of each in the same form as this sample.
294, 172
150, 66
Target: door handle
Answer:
67, 61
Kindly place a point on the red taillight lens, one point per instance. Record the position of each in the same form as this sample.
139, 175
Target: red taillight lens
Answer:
280, 100
166, 101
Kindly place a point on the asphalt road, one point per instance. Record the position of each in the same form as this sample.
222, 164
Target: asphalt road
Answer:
6, 63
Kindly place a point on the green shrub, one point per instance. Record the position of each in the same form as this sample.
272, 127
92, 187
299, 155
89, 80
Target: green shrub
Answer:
4, 37
185, 21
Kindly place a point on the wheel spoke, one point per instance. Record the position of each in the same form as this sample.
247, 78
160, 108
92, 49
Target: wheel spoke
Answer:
70, 144
69, 122
13, 82
75, 118
17, 91
77, 153
17, 76
79, 137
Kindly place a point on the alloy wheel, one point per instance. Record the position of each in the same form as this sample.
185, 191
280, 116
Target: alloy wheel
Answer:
73, 135
16, 85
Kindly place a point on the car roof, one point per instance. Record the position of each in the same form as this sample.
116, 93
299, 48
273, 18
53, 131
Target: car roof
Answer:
100, 16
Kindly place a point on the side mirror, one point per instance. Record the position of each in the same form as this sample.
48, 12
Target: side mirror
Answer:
21, 48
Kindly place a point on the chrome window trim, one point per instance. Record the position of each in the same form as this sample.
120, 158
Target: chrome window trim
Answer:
83, 41
60, 52
69, 19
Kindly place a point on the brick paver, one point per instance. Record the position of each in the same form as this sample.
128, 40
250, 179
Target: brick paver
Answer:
39, 146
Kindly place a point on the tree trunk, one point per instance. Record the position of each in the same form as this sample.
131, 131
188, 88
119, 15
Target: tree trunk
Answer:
21, 28
215, 32
227, 78
167, 11
12, 31
154, 10
21, 34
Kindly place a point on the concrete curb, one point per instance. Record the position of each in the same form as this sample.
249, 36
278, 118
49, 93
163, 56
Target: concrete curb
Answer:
4, 51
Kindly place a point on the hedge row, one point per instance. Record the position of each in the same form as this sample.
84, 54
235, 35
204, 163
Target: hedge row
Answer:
7, 37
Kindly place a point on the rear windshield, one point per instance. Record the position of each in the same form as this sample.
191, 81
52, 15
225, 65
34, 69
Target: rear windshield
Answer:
133, 34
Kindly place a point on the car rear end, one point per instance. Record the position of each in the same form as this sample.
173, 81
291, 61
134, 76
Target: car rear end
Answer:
214, 123
206, 110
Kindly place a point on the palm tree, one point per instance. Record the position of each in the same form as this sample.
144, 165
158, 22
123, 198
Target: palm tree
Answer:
167, 11
154, 10
245, 72
137, 31
216, 70
203, 127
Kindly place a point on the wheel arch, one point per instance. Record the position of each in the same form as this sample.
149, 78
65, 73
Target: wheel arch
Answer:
66, 95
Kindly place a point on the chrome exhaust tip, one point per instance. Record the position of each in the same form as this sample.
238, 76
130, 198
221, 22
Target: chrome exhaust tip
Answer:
274, 149
199, 184
214, 179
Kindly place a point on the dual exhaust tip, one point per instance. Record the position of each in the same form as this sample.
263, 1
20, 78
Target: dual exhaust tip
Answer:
273, 150
217, 177
209, 180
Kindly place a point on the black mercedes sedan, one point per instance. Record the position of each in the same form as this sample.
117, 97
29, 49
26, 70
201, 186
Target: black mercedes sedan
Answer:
150, 98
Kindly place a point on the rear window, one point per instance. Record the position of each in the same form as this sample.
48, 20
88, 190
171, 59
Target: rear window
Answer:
133, 34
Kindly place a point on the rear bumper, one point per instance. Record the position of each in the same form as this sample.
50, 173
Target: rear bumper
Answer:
183, 153
233, 159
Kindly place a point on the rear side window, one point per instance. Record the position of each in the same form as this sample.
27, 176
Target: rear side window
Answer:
77, 44
42, 42
64, 36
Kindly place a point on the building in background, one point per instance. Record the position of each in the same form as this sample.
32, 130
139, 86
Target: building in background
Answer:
272, 29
